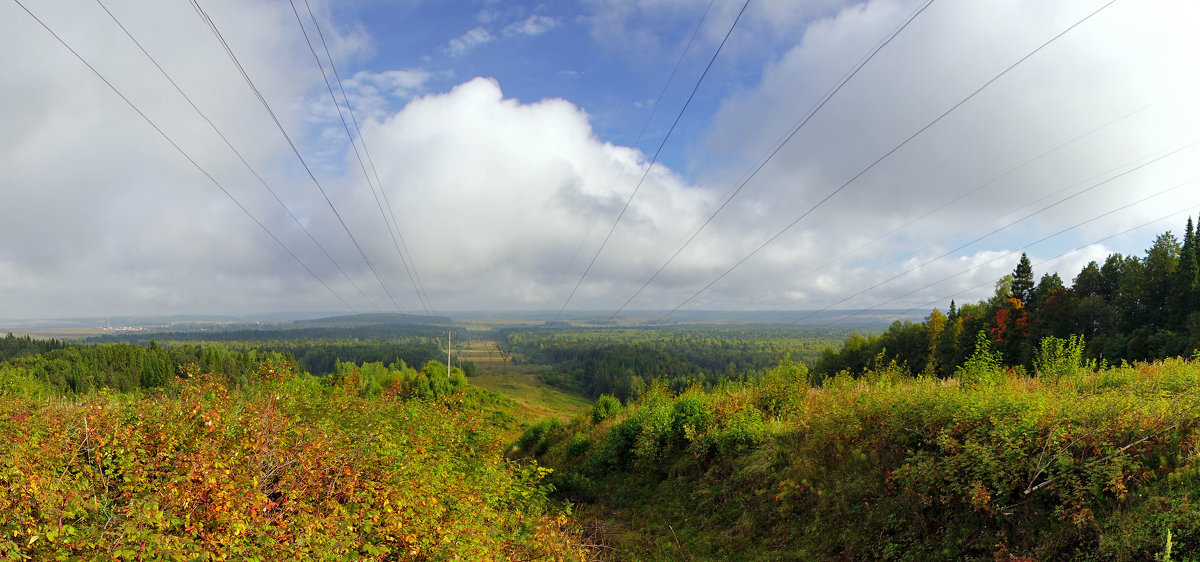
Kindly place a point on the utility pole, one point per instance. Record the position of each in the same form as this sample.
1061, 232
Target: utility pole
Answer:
448, 332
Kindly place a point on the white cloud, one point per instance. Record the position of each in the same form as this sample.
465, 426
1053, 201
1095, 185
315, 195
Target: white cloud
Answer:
531, 26
1110, 66
494, 195
472, 38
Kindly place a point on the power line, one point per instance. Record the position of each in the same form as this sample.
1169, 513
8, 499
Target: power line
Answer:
1029, 245
419, 290
1187, 211
653, 160
185, 154
1005, 227
236, 152
653, 110
245, 76
962, 196
885, 156
771, 154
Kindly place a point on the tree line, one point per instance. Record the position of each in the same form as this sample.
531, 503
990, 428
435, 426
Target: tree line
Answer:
51, 367
1128, 308
623, 362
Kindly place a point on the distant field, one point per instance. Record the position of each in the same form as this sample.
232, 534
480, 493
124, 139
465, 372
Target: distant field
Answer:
55, 333
535, 400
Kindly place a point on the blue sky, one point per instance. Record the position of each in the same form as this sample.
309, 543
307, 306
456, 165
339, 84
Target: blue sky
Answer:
555, 50
502, 137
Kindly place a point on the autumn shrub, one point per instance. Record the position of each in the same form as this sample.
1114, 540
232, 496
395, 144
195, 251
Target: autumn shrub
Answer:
578, 445
286, 467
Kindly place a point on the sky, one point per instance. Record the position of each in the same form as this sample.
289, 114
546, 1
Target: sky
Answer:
479, 153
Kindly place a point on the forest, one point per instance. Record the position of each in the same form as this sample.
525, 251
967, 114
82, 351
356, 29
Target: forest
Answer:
1127, 309
624, 361
316, 349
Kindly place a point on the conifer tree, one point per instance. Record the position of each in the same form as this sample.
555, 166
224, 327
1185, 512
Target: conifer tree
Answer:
1022, 280
1186, 279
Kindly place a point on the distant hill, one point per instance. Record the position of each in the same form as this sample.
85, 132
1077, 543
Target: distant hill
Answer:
390, 319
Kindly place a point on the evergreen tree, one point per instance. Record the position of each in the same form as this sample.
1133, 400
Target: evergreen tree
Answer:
1185, 280
1089, 281
1022, 280
1162, 259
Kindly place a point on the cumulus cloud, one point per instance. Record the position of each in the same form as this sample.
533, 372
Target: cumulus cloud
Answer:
1054, 129
493, 196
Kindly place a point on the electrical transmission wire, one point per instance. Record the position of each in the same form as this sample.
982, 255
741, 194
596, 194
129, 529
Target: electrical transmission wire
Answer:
771, 153
184, 153
958, 198
1005, 227
245, 76
653, 110
238, 153
418, 289
1186, 211
1022, 248
885, 156
654, 159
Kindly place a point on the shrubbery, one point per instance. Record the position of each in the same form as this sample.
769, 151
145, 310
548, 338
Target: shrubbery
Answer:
1071, 463
285, 466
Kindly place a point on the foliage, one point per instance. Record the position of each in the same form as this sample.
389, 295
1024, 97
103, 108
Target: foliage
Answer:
1128, 309
605, 407
622, 361
1058, 357
983, 367
1088, 464
284, 466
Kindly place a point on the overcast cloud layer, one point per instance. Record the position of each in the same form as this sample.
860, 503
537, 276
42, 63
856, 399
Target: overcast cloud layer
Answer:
503, 144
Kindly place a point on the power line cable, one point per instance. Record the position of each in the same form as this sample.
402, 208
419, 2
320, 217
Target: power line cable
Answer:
962, 196
1115, 172
1024, 247
418, 290
238, 153
771, 154
184, 154
653, 160
885, 156
653, 110
1187, 211
1005, 227
245, 76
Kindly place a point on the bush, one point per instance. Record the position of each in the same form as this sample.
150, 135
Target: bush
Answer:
741, 431
285, 468
983, 367
692, 414
578, 445
533, 440
1057, 357
605, 407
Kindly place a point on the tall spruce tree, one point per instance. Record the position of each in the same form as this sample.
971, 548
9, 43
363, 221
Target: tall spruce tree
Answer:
1022, 280
1186, 280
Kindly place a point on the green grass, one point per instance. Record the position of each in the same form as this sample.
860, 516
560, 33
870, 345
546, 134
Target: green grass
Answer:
534, 400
